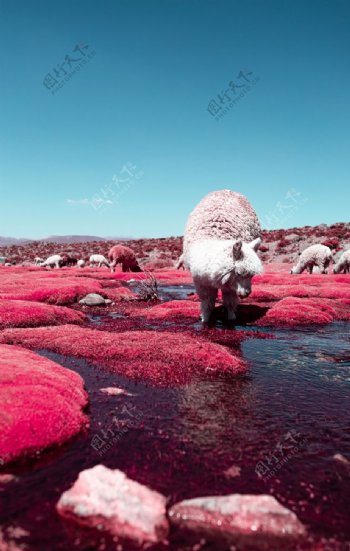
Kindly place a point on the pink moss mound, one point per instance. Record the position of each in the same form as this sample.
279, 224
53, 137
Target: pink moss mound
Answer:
120, 293
301, 299
21, 313
53, 287
161, 357
174, 309
41, 403
257, 520
295, 311
108, 500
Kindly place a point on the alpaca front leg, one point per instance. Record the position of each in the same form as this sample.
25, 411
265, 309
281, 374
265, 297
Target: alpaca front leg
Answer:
207, 297
230, 300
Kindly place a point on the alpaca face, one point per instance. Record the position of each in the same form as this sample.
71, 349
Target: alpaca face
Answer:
225, 264
246, 265
243, 286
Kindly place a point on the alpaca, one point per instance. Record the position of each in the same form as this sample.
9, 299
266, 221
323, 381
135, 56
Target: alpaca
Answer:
119, 254
98, 259
221, 241
343, 264
316, 255
54, 260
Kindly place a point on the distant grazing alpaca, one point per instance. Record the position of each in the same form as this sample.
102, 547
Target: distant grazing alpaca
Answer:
38, 260
98, 259
221, 239
81, 263
68, 260
343, 264
316, 255
53, 261
119, 254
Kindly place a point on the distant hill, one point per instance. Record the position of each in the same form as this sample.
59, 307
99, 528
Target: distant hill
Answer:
6, 241
71, 239
64, 239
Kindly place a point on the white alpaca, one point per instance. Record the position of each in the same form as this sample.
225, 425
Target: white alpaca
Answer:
221, 238
316, 255
54, 260
98, 259
81, 263
228, 265
343, 264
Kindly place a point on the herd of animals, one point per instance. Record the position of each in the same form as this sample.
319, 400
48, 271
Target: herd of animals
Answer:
221, 241
119, 254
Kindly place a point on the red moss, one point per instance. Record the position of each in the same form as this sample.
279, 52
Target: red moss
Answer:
332, 243
20, 313
294, 311
40, 287
174, 308
42, 403
120, 293
161, 357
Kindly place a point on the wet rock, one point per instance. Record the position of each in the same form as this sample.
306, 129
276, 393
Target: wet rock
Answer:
232, 472
341, 459
94, 299
7, 543
41, 403
5, 478
108, 500
114, 391
257, 520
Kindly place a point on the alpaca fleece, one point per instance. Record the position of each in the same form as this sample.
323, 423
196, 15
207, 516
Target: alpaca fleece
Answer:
221, 215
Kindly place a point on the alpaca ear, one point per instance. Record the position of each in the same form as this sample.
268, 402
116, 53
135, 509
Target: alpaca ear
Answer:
237, 249
255, 244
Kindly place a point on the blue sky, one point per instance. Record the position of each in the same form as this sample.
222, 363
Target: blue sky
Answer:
142, 99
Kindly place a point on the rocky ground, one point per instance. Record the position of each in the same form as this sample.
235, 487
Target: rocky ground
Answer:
158, 343
277, 246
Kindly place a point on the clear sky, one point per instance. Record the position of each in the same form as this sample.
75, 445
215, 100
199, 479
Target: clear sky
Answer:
142, 99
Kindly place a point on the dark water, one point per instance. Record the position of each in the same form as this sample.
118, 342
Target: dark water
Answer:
279, 426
